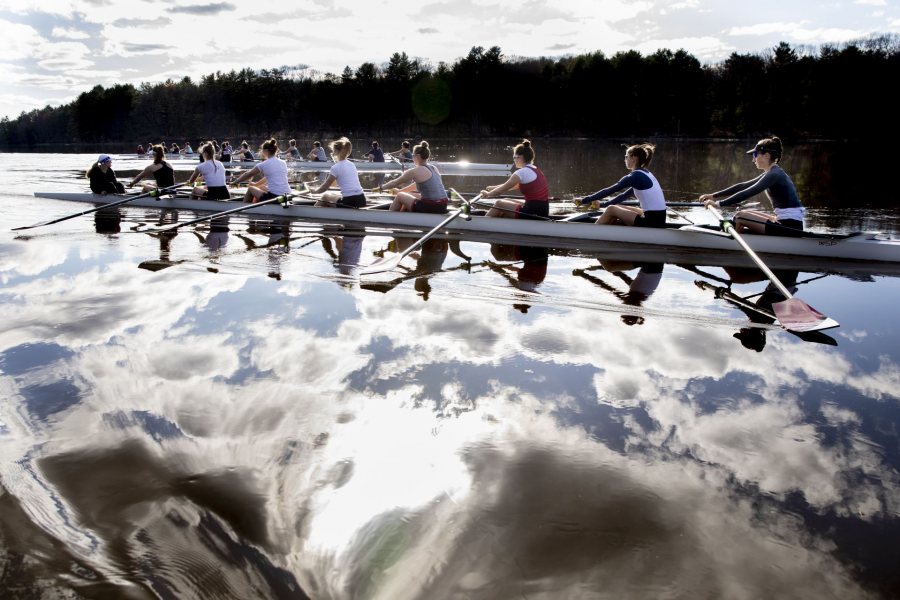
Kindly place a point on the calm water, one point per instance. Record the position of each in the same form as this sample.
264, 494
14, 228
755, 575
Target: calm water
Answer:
237, 414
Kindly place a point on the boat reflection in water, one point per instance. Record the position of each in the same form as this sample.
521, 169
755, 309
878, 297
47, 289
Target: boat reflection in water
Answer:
233, 435
640, 287
759, 307
429, 260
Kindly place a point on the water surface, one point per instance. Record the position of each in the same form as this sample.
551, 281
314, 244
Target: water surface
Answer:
232, 412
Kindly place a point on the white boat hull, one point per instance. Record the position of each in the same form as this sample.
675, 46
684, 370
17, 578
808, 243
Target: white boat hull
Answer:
444, 167
863, 246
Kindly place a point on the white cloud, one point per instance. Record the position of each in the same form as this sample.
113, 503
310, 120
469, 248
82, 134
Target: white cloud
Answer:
798, 32
69, 33
871, 2
27, 39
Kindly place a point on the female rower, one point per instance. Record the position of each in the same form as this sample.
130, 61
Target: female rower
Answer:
344, 172
213, 174
292, 152
103, 178
162, 171
404, 153
376, 154
245, 153
777, 186
187, 148
530, 181
273, 169
317, 154
638, 183
225, 152
140, 150
430, 195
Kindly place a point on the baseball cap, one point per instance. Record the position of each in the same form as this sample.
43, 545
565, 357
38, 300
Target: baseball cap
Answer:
103, 158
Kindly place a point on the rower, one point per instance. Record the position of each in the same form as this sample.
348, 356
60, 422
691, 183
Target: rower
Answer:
103, 178
213, 174
344, 172
376, 154
789, 212
430, 195
140, 150
162, 171
187, 149
529, 180
639, 183
225, 152
404, 153
292, 152
245, 153
317, 154
273, 169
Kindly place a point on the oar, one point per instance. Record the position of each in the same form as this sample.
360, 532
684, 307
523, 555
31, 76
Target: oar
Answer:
283, 199
475, 201
386, 264
793, 313
158, 192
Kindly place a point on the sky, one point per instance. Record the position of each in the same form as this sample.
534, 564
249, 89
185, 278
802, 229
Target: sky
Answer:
60, 48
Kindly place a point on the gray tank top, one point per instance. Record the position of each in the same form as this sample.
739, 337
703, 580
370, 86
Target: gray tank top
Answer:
432, 188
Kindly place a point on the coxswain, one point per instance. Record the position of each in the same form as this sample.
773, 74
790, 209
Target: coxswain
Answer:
103, 178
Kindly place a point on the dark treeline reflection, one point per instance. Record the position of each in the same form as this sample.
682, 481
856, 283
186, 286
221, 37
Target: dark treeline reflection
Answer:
795, 91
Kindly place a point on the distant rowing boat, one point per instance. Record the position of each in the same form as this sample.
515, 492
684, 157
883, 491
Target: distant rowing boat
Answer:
855, 246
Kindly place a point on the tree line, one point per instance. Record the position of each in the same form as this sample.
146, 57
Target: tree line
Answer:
835, 92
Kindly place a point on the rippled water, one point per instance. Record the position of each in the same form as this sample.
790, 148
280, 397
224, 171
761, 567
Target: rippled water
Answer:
237, 414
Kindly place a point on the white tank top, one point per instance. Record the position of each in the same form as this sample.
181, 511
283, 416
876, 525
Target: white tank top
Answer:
651, 198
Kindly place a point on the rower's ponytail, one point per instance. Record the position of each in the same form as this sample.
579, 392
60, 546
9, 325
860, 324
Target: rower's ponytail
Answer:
422, 150
772, 145
341, 148
271, 145
159, 154
525, 150
643, 152
208, 152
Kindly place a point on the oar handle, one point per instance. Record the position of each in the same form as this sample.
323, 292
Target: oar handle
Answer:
729, 228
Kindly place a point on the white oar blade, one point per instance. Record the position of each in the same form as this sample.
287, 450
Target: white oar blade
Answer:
796, 315
385, 263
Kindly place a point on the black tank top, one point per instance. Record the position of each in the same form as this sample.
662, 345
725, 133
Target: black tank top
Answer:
164, 176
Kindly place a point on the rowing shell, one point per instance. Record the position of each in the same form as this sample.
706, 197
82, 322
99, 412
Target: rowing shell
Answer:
444, 167
855, 246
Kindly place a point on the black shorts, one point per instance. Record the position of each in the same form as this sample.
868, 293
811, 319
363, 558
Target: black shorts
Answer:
357, 201
533, 209
430, 206
218, 192
651, 218
269, 196
785, 227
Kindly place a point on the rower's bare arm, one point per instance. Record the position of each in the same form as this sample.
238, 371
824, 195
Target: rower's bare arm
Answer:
496, 190
325, 184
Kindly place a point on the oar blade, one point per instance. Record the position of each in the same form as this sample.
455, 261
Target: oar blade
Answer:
796, 315
385, 263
